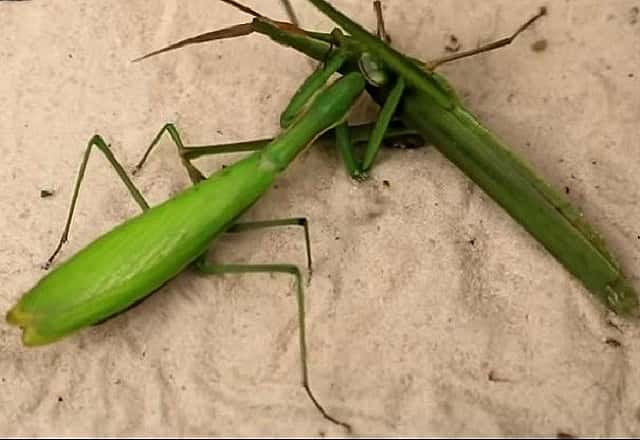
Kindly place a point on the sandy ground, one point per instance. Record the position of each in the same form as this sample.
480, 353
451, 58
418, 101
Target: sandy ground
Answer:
430, 312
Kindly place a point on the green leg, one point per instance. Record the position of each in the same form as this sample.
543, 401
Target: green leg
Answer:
221, 269
100, 144
310, 87
298, 221
347, 153
194, 174
356, 134
359, 169
187, 153
374, 135
380, 128
385, 128
348, 136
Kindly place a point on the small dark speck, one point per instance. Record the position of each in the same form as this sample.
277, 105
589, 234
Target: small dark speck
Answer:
540, 45
223, 166
631, 75
608, 67
453, 45
493, 377
322, 434
338, 238
70, 56
219, 131
561, 434
593, 162
386, 183
613, 342
60, 399
573, 176
638, 237
276, 186
44, 193
472, 242
436, 203
117, 382
4, 380
611, 17
567, 190
635, 12
144, 353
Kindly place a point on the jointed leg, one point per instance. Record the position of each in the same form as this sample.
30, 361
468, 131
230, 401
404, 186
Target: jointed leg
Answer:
432, 65
298, 221
347, 152
310, 87
355, 134
382, 123
188, 153
220, 269
98, 142
194, 174
381, 31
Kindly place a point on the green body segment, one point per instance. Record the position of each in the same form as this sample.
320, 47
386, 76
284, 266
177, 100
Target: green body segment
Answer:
137, 257
430, 106
311, 86
543, 212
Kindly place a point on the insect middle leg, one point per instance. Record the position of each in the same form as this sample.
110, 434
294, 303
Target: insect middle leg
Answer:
395, 134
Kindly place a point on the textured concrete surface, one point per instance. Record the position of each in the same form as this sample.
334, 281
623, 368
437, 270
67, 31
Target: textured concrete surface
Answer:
430, 311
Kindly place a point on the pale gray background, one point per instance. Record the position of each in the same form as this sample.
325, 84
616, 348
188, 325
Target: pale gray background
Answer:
407, 319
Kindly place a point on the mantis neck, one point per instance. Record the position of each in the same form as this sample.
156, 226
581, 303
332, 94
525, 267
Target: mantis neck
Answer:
328, 109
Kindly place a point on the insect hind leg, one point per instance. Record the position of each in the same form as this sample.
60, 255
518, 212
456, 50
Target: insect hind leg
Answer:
221, 269
297, 221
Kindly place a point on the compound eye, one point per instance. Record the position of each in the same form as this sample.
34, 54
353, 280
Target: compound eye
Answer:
372, 70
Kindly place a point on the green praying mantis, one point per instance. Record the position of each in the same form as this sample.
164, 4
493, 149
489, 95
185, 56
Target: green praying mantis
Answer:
137, 257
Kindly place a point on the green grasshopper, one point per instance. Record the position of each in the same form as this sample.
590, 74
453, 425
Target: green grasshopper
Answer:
426, 102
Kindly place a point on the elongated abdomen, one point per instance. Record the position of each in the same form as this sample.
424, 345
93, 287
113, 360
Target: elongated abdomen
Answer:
132, 260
